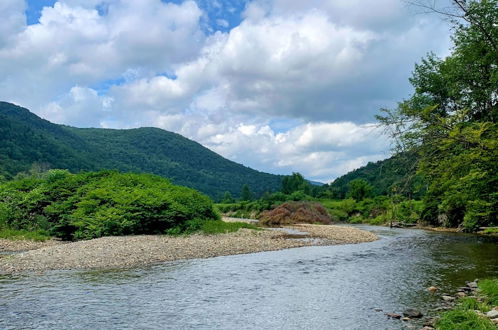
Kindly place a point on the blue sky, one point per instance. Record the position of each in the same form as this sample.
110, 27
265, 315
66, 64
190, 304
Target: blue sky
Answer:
221, 15
277, 85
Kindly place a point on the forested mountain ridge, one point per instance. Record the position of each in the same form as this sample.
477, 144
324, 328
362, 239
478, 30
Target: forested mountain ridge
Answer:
394, 175
26, 139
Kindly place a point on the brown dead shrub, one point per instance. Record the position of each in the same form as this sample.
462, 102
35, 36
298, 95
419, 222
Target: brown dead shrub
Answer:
295, 212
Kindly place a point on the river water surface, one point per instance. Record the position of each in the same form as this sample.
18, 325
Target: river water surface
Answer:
327, 287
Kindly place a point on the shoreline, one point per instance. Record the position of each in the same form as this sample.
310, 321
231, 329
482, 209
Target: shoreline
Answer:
117, 252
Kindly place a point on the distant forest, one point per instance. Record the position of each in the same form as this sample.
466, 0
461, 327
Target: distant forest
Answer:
28, 141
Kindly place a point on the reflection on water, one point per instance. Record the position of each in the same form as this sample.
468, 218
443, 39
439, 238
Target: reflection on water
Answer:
334, 287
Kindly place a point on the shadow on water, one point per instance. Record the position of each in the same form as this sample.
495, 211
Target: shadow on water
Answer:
314, 287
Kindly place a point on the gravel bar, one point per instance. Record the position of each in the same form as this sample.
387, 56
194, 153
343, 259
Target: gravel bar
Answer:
132, 251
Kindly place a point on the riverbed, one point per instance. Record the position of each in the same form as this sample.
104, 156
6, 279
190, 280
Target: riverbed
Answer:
319, 287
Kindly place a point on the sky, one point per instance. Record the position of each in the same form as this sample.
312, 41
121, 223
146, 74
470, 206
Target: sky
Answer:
278, 85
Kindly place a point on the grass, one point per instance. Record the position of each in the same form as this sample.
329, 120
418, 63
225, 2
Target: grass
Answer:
490, 231
463, 320
464, 317
13, 234
209, 227
221, 227
489, 288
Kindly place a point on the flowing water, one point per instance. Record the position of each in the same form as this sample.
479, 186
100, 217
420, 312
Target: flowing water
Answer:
331, 287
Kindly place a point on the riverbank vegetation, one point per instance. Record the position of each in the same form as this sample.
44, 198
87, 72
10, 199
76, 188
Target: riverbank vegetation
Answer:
444, 171
471, 312
95, 204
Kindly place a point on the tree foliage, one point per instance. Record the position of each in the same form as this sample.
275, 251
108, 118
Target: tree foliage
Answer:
295, 182
95, 204
246, 194
451, 121
359, 189
26, 140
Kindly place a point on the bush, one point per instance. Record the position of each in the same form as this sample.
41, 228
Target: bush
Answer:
95, 204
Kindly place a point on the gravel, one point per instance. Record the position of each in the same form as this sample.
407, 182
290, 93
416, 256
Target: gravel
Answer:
7, 245
131, 251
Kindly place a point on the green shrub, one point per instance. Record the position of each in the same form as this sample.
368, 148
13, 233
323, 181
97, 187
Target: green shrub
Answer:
356, 219
378, 220
95, 204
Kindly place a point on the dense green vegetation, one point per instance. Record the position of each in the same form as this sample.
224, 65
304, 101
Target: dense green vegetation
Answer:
395, 174
30, 235
464, 315
95, 204
451, 122
28, 140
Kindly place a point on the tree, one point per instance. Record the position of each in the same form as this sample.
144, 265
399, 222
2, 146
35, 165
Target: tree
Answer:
295, 182
227, 198
359, 189
246, 194
451, 121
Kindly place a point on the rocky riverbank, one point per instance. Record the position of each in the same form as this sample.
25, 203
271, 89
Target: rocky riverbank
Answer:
7, 245
131, 251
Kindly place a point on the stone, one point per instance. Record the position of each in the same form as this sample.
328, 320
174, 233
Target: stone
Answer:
378, 309
412, 312
472, 285
393, 315
448, 298
461, 294
405, 319
429, 322
427, 328
464, 289
492, 314
432, 289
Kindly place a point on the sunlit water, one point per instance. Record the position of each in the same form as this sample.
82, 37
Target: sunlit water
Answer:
332, 287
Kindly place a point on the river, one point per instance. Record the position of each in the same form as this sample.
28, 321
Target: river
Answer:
323, 287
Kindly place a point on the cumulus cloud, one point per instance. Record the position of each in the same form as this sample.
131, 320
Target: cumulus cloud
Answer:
293, 87
75, 45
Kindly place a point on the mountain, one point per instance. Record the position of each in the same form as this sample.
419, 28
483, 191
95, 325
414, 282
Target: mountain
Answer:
398, 172
26, 139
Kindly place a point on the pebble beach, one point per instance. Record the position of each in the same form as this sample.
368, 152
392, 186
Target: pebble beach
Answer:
132, 251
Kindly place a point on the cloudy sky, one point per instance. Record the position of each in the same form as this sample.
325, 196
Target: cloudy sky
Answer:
277, 85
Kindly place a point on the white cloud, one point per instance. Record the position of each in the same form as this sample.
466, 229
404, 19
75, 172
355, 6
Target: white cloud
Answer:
75, 45
320, 69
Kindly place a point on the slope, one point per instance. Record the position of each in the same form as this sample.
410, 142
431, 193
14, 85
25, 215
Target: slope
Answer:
393, 175
26, 139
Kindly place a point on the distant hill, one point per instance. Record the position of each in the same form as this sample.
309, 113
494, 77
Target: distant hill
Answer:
26, 139
398, 171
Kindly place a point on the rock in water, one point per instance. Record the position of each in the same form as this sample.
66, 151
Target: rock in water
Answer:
448, 298
413, 313
432, 289
393, 315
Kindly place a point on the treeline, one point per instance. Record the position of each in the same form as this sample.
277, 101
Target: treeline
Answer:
450, 122
445, 170
28, 140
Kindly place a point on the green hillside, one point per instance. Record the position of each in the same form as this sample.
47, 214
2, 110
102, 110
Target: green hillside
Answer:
397, 172
26, 139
